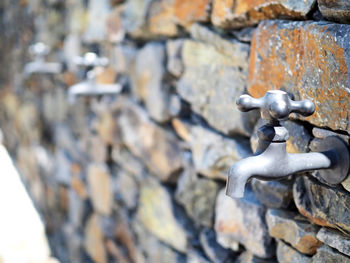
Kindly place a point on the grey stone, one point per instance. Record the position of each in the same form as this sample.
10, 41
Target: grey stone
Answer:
211, 63
273, 194
63, 167
335, 240
155, 212
154, 250
286, 254
174, 59
135, 17
98, 13
326, 254
214, 154
128, 162
323, 205
126, 188
194, 256
247, 257
213, 250
147, 81
299, 137
123, 58
243, 221
293, 229
158, 149
335, 10
197, 195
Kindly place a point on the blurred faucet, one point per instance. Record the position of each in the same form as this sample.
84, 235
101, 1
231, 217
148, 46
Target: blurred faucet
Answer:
38, 51
90, 87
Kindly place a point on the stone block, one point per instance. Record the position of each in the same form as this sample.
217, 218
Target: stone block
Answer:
158, 149
326, 254
187, 11
93, 241
294, 230
248, 257
274, 194
335, 239
148, 81
236, 14
155, 212
243, 221
99, 183
214, 154
323, 205
287, 254
212, 249
306, 59
174, 59
335, 10
215, 75
197, 196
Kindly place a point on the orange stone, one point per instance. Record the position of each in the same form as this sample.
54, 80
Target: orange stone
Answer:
188, 11
241, 13
309, 60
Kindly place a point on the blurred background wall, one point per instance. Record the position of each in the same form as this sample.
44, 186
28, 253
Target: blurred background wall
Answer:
140, 176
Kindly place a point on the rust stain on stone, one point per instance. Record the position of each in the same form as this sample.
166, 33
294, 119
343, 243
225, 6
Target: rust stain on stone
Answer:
307, 61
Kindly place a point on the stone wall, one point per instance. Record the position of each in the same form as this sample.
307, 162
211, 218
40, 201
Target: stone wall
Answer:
140, 177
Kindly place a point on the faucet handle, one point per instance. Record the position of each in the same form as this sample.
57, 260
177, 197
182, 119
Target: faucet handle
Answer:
91, 59
275, 105
39, 49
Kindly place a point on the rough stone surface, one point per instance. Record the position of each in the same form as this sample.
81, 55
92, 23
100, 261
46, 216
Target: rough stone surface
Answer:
188, 11
335, 10
99, 183
296, 55
158, 149
126, 188
207, 67
198, 196
174, 59
212, 249
274, 194
155, 213
247, 257
194, 256
286, 254
293, 229
153, 249
93, 242
335, 240
147, 80
235, 14
326, 254
214, 154
243, 220
323, 205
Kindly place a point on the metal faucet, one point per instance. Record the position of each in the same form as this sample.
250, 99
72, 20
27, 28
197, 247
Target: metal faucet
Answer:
39, 65
90, 87
271, 160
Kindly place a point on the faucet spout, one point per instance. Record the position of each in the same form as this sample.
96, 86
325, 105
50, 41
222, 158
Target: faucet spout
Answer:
242, 171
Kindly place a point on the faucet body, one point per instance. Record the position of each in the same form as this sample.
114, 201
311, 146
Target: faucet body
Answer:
90, 87
271, 160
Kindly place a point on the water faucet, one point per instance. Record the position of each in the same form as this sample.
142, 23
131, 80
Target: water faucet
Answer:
39, 65
271, 160
90, 87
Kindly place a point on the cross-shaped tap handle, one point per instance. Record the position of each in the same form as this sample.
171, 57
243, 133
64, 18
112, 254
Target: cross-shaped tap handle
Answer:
91, 59
39, 49
275, 105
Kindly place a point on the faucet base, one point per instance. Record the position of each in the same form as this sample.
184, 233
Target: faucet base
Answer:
337, 150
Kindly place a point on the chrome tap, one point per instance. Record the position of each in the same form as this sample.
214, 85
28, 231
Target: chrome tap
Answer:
271, 160
90, 87
39, 65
